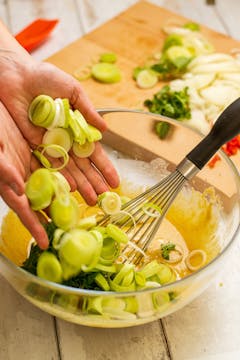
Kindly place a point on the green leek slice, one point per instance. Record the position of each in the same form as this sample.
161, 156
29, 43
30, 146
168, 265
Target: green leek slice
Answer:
42, 111
117, 234
49, 268
146, 79
79, 247
110, 58
64, 211
109, 202
85, 150
40, 189
57, 136
106, 73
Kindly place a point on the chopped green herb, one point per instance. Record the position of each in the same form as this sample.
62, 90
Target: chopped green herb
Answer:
162, 128
30, 264
172, 295
84, 281
166, 249
174, 104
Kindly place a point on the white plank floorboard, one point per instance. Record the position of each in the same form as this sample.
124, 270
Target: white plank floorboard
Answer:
26, 333
3, 12
209, 328
84, 343
197, 10
228, 12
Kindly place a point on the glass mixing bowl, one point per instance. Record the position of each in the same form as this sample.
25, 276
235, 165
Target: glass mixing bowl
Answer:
131, 133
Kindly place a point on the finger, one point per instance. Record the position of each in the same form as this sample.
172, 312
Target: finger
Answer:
92, 174
105, 166
81, 102
35, 164
11, 176
83, 185
20, 205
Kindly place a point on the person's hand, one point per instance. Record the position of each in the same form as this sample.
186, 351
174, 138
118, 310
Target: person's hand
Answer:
22, 79
16, 164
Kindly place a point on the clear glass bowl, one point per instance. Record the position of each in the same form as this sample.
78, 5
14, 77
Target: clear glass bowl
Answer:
131, 132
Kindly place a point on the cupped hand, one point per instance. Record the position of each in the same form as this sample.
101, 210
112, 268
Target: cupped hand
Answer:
16, 164
25, 79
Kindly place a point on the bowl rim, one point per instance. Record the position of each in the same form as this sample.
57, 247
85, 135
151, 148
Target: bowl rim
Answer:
79, 291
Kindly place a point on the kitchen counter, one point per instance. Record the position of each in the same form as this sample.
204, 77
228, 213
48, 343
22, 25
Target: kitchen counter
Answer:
206, 329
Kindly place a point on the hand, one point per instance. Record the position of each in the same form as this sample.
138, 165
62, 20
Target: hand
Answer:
16, 163
25, 79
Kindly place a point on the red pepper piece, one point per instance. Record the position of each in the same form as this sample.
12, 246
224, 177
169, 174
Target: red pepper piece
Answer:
232, 146
213, 161
35, 33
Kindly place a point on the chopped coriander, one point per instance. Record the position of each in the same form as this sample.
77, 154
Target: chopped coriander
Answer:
172, 295
84, 281
166, 249
174, 104
30, 264
162, 128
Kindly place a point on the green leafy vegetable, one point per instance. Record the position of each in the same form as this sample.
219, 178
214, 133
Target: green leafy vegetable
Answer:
162, 128
171, 68
166, 249
174, 104
30, 264
84, 281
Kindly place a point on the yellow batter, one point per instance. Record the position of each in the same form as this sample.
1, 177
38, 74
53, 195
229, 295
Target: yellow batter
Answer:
191, 223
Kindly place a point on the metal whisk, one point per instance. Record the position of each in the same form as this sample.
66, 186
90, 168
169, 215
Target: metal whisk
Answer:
147, 210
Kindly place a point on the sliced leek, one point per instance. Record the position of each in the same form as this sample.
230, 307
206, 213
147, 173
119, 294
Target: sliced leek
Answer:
85, 150
49, 268
40, 189
57, 136
110, 202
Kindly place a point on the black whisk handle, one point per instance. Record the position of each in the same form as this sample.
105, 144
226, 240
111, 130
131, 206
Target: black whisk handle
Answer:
225, 128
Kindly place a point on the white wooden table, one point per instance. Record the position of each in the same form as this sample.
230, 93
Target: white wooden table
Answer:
208, 328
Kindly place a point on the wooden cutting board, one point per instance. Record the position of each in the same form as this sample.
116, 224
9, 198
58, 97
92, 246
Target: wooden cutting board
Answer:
134, 36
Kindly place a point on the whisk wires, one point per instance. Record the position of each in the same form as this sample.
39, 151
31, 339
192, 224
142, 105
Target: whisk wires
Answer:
142, 216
